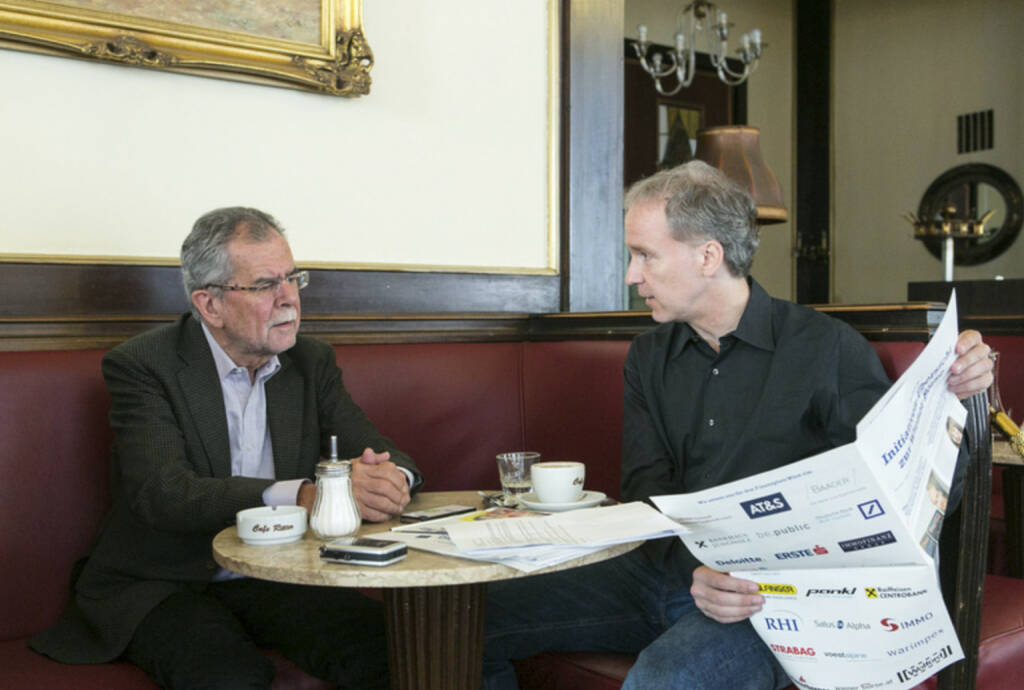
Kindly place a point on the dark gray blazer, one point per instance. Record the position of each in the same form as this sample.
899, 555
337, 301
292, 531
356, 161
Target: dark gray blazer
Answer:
171, 475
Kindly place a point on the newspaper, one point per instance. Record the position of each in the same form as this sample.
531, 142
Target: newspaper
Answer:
432, 535
530, 541
843, 545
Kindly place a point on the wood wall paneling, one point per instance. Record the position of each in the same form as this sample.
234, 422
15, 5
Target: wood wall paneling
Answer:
592, 247
61, 290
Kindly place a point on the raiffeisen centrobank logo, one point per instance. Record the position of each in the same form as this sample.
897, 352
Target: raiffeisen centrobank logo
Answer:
764, 506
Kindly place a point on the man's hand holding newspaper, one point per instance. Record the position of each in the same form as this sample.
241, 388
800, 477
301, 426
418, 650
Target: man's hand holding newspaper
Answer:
843, 545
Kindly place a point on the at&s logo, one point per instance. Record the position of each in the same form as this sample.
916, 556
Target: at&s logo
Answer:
765, 506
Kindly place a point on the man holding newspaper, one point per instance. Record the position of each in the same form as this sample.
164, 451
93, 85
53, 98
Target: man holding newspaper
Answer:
733, 383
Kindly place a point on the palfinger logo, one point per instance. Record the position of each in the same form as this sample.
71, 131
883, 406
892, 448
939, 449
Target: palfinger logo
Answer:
769, 588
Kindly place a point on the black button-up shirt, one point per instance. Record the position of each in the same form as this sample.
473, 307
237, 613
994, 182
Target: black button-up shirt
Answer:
788, 383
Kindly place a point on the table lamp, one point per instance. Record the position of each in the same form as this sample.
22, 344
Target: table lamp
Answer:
736, 151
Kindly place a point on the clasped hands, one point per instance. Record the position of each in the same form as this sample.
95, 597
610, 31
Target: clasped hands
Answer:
380, 488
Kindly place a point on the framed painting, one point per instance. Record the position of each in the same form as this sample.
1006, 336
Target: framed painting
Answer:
316, 45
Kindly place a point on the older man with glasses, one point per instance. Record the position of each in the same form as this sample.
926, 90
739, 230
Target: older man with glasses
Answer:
227, 408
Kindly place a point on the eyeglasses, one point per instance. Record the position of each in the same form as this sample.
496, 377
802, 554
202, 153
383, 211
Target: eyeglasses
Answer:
268, 286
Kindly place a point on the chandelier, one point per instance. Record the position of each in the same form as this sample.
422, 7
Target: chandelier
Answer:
700, 22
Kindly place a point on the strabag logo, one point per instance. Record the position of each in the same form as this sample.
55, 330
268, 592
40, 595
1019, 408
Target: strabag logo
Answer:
869, 542
765, 506
792, 651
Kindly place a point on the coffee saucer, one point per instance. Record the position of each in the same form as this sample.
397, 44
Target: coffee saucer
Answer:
589, 499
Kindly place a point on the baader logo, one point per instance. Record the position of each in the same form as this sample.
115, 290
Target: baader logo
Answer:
769, 588
765, 506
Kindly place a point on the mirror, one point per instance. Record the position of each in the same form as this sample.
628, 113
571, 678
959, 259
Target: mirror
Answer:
973, 190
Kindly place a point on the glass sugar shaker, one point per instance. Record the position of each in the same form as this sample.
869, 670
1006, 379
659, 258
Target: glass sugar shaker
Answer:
335, 513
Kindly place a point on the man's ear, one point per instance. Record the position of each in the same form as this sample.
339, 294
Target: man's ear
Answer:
208, 306
711, 257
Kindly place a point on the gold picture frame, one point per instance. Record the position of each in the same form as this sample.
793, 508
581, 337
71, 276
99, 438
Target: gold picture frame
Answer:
267, 45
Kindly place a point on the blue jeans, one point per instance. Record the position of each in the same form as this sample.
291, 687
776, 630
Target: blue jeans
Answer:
623, 605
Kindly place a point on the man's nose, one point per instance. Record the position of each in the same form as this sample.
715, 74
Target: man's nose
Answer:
632, 273
287, 293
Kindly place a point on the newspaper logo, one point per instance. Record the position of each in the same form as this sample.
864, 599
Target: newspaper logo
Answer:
871, 509
915, 645
833, 592
913, 622
817, 550
833, 485
803, 683
789, 650
869, 542
892, 592
841, 624
743, 560
783, 622
925, 664
769, 588
765, 506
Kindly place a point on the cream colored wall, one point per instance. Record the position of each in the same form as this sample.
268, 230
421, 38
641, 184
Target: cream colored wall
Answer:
444, 163
903, 72
769, 106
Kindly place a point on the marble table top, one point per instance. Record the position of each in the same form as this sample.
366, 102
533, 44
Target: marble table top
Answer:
299, 562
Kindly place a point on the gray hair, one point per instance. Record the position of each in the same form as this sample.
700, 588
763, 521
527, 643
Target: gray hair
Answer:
701, 203
204, 253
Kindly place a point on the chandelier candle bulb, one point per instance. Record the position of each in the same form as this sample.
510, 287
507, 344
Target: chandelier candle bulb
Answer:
699, 22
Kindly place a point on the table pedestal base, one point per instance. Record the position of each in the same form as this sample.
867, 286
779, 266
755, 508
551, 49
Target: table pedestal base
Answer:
435, 636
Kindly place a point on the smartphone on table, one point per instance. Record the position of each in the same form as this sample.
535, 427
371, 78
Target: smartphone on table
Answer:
363, 551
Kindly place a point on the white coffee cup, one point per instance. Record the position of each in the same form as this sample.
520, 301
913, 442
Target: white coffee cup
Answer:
558, 482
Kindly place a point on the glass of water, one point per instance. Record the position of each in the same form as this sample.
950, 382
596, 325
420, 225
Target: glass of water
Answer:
514, 471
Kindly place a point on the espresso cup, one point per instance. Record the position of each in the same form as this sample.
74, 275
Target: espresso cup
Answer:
558, 482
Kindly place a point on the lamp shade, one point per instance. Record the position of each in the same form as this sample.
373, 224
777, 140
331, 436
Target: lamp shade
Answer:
736, 151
